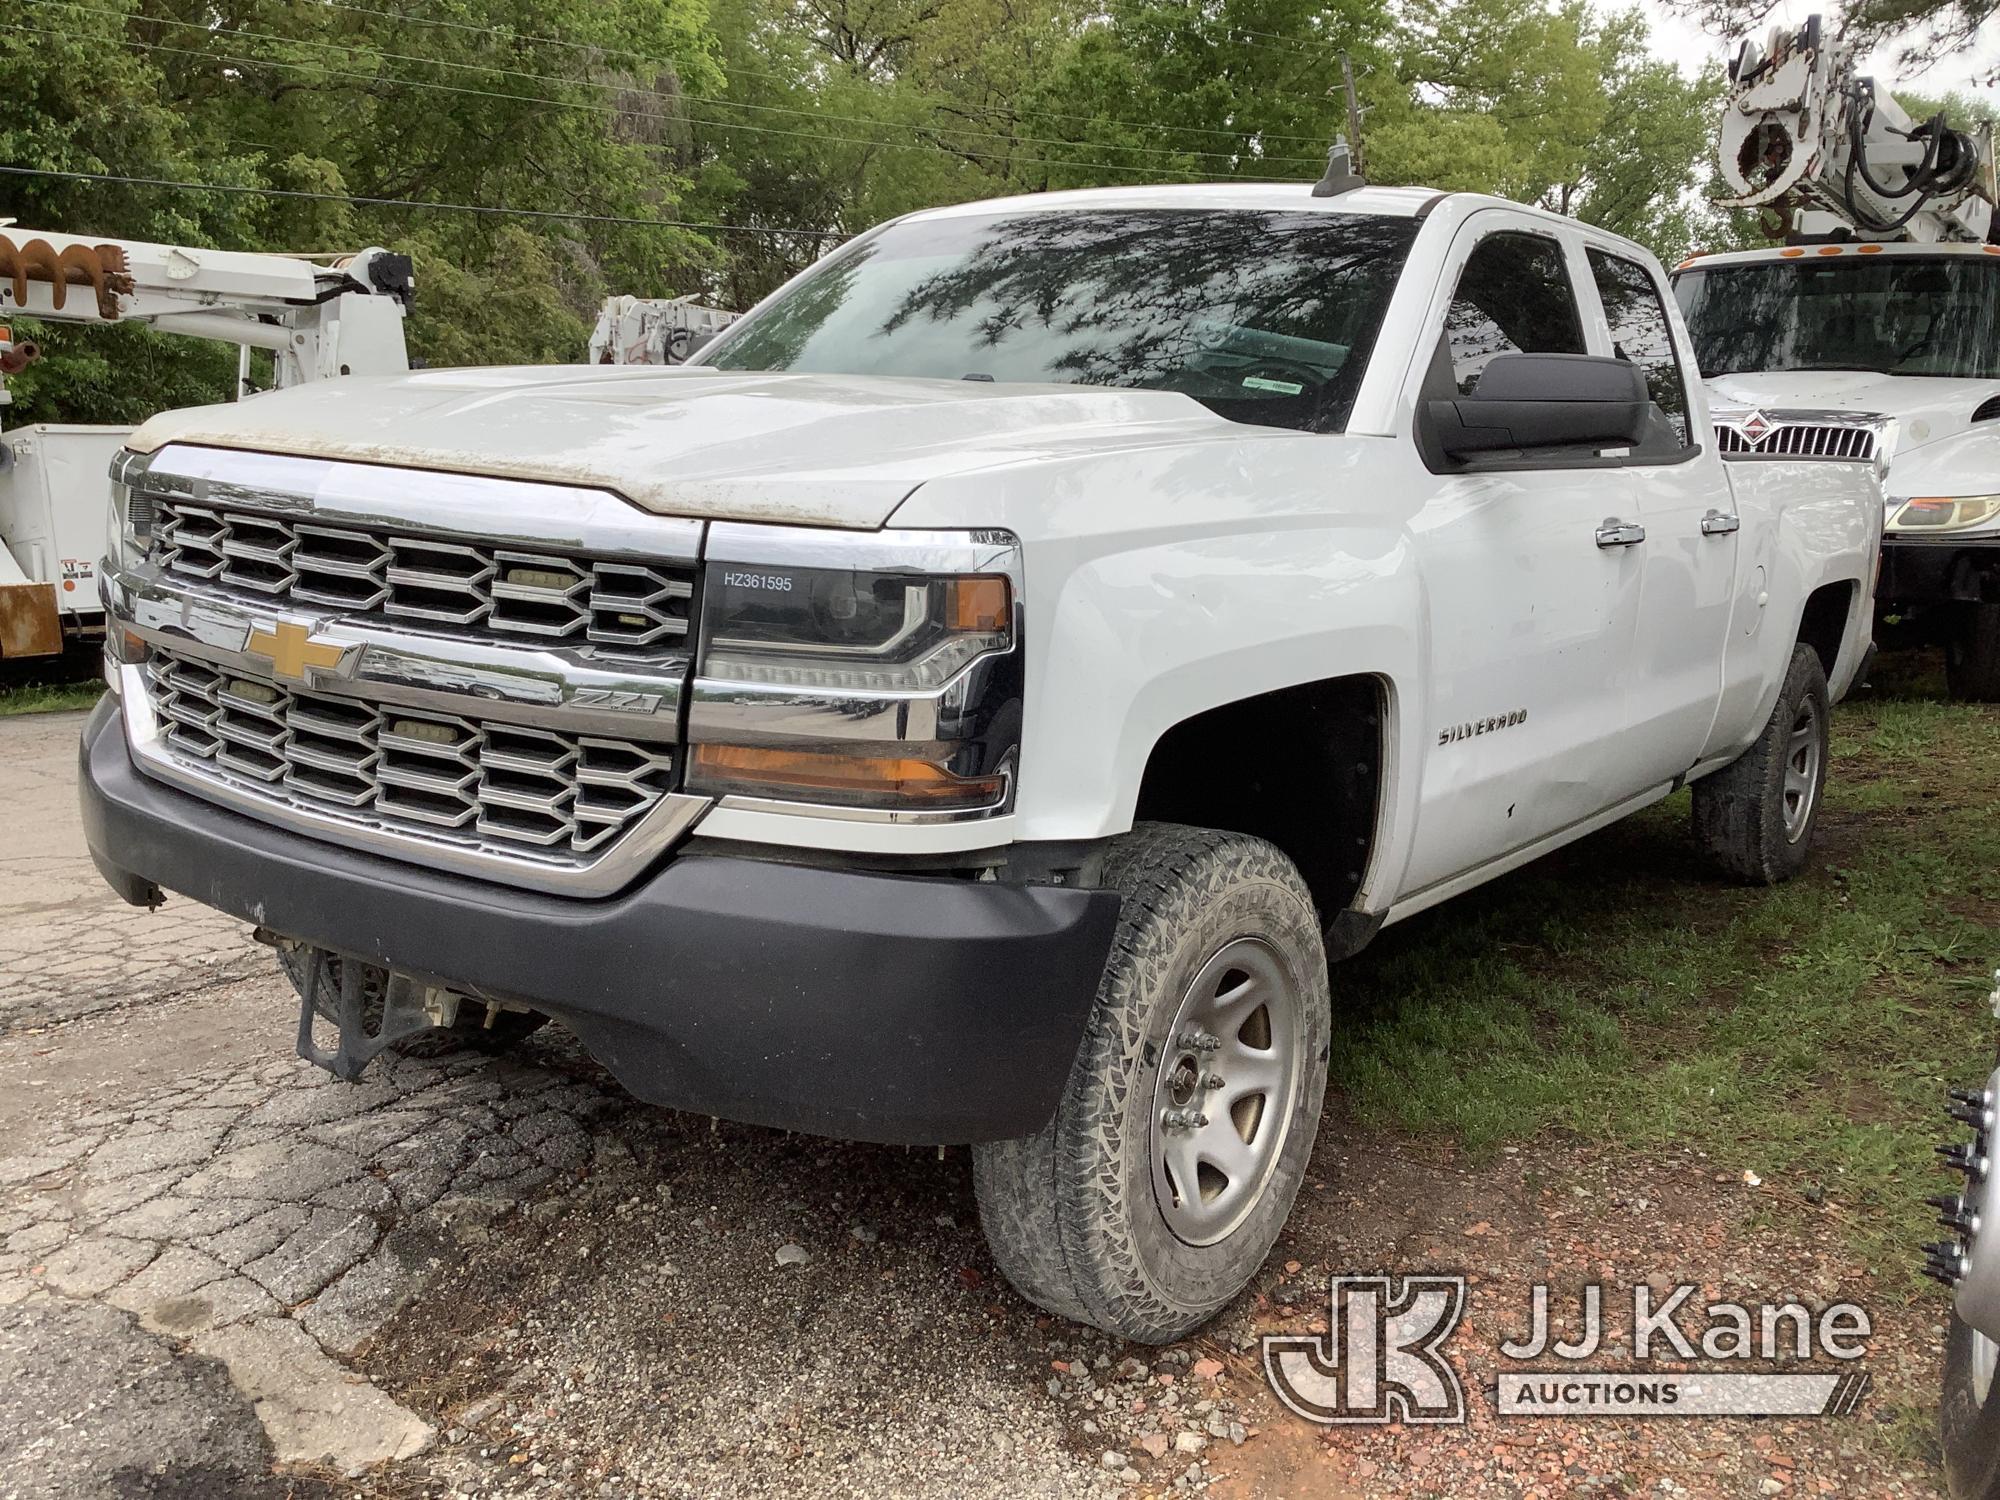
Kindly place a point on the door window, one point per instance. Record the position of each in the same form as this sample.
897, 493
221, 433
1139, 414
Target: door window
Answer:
1514, 297
1640, 333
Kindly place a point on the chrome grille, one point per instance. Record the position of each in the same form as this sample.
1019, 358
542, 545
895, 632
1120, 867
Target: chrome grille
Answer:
635, 608
437, 776
1798, 440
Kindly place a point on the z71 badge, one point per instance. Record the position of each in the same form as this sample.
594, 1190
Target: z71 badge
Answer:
615, 700
1451, 734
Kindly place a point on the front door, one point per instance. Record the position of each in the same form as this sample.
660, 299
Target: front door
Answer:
1533, 613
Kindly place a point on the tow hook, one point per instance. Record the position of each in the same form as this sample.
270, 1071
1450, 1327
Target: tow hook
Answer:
408, 1006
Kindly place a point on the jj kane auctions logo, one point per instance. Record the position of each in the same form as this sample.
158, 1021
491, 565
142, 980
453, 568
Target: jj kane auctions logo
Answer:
1381, 1358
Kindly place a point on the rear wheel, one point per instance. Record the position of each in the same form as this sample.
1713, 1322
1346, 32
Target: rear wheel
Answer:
1156, 1192
1755, 817
469, 1030
1972, 654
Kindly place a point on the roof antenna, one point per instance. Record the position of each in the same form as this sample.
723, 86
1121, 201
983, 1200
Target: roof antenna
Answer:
1343, 163
1340, 174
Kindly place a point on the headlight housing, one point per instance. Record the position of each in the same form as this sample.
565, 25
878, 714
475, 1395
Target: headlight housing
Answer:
1929, 513
129, 531
872, 675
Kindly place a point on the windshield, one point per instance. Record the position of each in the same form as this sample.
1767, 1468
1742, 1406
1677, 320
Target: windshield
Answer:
1262, 317
1894, 314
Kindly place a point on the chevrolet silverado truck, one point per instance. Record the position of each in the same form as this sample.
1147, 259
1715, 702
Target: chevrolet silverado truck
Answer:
975, 700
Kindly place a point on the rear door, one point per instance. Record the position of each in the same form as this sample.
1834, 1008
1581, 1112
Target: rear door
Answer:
1532, 621
1689, 554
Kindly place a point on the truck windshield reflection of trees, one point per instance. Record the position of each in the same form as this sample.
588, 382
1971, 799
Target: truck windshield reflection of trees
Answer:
1264, 317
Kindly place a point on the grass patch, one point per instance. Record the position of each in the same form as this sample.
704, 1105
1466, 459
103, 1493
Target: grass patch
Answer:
47, 698
1621, 992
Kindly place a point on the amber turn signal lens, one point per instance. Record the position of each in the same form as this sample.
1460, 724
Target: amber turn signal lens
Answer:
978, 603
856, 780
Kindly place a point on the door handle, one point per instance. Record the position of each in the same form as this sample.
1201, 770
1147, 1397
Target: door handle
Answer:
1715, 523
1614, 533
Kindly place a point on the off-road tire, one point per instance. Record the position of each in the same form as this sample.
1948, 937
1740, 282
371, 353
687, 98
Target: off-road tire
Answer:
1968, 1428
1739, 811
470, 1030
1071, 1212
1972, 654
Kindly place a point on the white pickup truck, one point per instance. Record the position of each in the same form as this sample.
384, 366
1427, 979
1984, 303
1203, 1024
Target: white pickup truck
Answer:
1911, 333
975, 701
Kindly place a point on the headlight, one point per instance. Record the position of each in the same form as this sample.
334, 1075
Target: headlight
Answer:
1944, 513
876, 673
822, 627
129, 533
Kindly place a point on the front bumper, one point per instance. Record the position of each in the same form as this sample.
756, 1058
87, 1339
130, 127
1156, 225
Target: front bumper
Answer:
858, 1005
1938, 570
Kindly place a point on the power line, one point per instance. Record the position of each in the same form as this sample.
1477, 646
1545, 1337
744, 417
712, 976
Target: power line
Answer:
682, 97
668, 64
613, 111
456, 208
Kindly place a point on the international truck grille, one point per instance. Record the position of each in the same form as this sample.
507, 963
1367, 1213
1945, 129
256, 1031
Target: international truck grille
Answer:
1796, 440
428, 775
429, 582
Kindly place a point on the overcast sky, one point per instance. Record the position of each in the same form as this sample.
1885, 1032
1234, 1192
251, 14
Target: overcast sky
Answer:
1689, 46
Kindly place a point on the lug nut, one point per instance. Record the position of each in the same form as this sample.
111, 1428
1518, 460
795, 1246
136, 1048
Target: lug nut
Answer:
1211, 1080
1964, 1158
1972, 1112
1944, 1262
1952, 1212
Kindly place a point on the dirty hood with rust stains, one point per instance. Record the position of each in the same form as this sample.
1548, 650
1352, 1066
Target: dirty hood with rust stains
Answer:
830, 450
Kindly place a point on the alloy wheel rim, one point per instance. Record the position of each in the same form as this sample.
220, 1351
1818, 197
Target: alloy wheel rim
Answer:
1985, 1355
1802, 757
1226, 1081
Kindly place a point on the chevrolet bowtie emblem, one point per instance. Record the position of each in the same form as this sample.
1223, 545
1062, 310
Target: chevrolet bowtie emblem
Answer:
293, 652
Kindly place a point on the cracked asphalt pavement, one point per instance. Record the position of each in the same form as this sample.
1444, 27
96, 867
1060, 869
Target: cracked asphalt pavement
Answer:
223, 1273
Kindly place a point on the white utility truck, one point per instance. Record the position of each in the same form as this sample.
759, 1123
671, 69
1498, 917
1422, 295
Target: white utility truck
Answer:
317, 321
653, 330
975, 700
1886, 299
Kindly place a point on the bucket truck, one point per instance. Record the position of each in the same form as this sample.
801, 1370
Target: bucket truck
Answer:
318, 319
1884, 298
653, 331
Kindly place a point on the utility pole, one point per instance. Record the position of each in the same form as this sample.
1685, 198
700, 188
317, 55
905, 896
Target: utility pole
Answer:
1353, 113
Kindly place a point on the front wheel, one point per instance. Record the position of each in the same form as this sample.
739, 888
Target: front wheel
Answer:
1972, 654
1182, 1136
1755, 817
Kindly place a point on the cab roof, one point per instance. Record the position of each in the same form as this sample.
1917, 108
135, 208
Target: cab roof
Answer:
1392, 202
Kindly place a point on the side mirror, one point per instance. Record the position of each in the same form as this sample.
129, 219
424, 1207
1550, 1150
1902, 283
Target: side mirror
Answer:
1575, 401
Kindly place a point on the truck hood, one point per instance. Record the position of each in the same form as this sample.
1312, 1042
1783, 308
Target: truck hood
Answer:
830, 450
1968, 464
1925, 408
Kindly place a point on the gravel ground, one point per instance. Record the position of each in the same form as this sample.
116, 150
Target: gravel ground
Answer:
224, 1274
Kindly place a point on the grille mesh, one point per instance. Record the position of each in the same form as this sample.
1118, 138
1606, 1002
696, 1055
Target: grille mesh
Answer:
432, 775
635, 608
1800, 440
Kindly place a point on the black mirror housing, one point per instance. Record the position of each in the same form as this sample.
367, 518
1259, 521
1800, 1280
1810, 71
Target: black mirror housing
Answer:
1539, 401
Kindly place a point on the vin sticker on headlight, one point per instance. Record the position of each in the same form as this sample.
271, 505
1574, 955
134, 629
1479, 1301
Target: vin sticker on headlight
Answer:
774, 583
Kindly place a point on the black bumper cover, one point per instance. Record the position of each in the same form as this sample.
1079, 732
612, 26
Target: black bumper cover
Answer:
865, 1006
1938, 571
